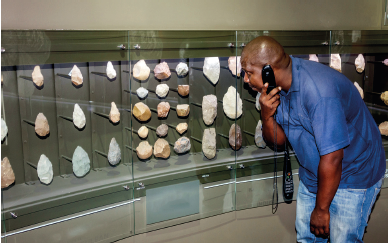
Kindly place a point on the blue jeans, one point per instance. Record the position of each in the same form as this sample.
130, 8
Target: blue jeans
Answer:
349, 213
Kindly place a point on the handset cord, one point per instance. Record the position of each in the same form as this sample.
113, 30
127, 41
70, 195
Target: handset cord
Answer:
275, 196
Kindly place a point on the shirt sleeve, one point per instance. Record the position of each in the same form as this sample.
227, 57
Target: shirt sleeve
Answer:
329, 125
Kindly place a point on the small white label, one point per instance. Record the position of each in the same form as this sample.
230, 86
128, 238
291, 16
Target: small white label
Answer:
205, 175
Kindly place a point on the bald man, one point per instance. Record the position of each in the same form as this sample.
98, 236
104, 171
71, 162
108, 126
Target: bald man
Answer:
333, 134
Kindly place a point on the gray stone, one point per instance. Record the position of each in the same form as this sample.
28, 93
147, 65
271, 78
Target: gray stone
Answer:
162, 130
141, 71
360, 63
211, 69
110, 70
45, 170
182, 145
114, 154
4, 129
259, 136
81, 162
182, 69
209, 143
209, 108
37, 76
141, 92
258, 106
229, 103
162, 90
79, 118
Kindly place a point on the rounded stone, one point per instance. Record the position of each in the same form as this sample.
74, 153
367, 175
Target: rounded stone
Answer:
143, 132
162, 71
144, 150
141, 111
141, 71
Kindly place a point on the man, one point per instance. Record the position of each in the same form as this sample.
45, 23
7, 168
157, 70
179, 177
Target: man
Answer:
334, 136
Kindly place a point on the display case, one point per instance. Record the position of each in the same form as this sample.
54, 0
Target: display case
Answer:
172, 148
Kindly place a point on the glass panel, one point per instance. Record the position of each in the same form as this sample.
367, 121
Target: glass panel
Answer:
77, 185
255, 164
188, 182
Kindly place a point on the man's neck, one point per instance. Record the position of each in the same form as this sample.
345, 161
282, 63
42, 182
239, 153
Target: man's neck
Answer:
286, 79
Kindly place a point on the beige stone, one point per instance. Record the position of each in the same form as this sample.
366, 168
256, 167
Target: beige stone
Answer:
209, 108
162, 71
144, 150
41, 125
384, 97
114, 114
141, 71
384, 128
162, 148
235, 137
234, 63
229, 103
7, 174
141, 111
209, 143
183, 110
360, 63
37, 76
359, 89
76, 76
335, 62
143, 132
181, 128
163, 109
183, 90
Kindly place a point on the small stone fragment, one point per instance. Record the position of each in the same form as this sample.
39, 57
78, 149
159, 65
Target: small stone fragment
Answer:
335, 62
313, 57
258, 106
144, 150
162, 71
182, 69
162, 148
45, 170
359, 89
235, 67
114, 114
235, 137
141, 71
183, 110
181, 127
81, 162
209, 143
360, 63
79, 118
37, 76
110, 70
162, 90
182, 145
229, 103
114, 153
163, 109
209, 108
162, 130
7, 174
4, 129
143, 132
385, 62
76, 76
41, 125
141, 111
142, 92
259, 136
383, 127
183, 90
211, 69
384, 97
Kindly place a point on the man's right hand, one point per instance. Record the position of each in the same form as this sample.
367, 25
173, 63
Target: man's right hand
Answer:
269, 102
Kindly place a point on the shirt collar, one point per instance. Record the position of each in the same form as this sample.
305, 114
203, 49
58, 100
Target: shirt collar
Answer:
295, 77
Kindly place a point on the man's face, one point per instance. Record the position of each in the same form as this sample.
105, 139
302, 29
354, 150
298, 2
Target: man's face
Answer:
253, 77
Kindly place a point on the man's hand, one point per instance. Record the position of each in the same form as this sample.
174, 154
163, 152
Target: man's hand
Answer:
320, 222
269, 102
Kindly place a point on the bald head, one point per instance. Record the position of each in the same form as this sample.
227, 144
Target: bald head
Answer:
264, 50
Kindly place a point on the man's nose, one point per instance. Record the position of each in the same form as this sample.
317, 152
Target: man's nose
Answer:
246, 80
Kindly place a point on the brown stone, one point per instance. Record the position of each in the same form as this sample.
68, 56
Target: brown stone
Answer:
76, 76
7, 174
144, 150
143, 132
37, 76
114, 114
162, 130
183, 110
183, 90
41, 125
181, 128
235, 137
384, 128
163, 109
162, 71
141, 111
162, 148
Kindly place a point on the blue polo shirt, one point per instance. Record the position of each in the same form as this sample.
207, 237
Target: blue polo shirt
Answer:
323, 112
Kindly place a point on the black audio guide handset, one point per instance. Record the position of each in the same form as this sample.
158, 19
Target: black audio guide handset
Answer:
288, 182
268, 77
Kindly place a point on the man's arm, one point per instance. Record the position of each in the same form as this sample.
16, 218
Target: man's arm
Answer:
329, 177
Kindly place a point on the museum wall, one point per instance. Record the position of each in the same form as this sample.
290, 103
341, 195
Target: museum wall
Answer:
193, 15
